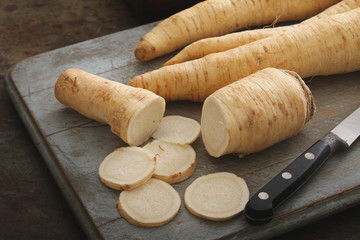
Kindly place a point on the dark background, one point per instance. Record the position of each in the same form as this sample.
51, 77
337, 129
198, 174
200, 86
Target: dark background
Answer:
31, 204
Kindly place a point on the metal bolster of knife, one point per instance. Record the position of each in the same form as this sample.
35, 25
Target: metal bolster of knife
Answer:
335, 142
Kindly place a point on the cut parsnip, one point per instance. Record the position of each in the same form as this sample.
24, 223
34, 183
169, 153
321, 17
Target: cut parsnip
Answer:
177, 129
217, 196
174, 162
127, 168
151, 205
255, 112
132, 113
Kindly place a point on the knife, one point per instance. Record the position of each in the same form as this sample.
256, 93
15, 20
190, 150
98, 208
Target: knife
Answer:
260, 208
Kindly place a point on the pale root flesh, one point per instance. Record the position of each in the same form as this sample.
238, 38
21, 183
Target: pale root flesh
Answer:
174, 162
177, 129
325, 46
217, 17
127, 168
132, 113
217, 196
206, 46
255, 112
151, 205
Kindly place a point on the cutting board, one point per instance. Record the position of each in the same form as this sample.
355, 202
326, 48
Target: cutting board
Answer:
73, 146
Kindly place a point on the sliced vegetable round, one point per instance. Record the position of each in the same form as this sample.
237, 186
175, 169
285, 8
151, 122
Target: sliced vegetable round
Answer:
174, 162
153, 204
217, 196
177, 129
127, 168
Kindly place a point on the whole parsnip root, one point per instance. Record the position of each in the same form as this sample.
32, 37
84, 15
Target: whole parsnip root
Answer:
217, 17
323, 47
206, 46
255, 112
132, 113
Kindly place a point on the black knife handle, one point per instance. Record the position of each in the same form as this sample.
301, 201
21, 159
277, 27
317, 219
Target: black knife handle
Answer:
260, 208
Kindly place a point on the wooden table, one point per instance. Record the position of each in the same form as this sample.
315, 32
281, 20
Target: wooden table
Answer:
29, 196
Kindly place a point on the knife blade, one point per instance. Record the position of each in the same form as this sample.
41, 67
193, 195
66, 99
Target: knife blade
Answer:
260, 208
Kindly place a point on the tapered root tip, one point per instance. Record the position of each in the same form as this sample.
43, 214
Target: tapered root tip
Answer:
145, 51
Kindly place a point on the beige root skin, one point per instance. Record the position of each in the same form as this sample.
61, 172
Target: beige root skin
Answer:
324, 47
255, 112
206, 46
217, 17
223, 43
132, 113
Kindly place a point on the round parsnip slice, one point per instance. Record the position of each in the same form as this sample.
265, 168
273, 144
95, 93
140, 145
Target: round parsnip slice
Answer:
177, 129
151, 205
174, 162
217, 196
127, 168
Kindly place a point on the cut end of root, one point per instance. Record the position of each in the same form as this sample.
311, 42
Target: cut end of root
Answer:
145, 121
213, 128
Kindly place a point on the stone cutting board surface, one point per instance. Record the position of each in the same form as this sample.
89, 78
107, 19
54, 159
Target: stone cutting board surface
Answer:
73, 146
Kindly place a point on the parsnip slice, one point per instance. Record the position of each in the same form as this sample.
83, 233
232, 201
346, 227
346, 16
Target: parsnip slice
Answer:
217, 196
127, 168
151, 205
174, 162
177, 129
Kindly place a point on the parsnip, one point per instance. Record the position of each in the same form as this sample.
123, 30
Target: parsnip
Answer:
325, 46
206, 46
255, 112
217, 17
217, 196
132, 113
151, 205
177, 129
127, 168
174, 162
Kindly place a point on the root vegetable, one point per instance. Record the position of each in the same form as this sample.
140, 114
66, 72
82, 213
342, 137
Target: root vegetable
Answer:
324, 47
217, 196
151, 205
177, 129
217, 17
206, 46
174, 162
127, 168
255, 112
132, 113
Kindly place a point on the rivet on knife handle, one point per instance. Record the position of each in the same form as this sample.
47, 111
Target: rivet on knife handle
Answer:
260, 207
